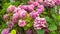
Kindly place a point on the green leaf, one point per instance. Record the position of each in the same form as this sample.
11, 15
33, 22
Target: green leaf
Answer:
0, 31
52, 27
3, 11
28, 19
40, 31
44, 12
29, 24
54, 16
58, 18
52, 10
58, 7
13, 32
51, 24
53, 32
25, 28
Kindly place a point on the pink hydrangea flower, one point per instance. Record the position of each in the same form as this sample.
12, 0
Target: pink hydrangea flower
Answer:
15, 17
5, 16
57, 2
23, 7
39, 23
22, 14
29, 31
5, 31
36, 4
49, 3
34, 15
39, 1
40, 9
17, 10
10, 24
30, 8
10, 8
21, 23
46, 31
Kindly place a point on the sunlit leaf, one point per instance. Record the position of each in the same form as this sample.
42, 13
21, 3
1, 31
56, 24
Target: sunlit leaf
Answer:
13, 32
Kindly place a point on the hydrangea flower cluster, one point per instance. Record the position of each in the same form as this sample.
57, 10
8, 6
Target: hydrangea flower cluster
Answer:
57, 2
5, 31
21, 23
18, 15
10, 9
5, 16
29, 31
39, 23
49, 3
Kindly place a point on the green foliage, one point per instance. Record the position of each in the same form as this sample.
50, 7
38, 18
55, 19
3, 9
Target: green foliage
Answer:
3, 11
52, 18
40, 31
0, 31
13, 32
51, 24
53, 32
29, 25
52, 27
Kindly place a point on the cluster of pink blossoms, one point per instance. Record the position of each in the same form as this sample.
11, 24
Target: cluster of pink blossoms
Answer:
46, 3
17, 15
5, 31
39, 23
10, 8
5, 16
51, 3
57, 2
21, 23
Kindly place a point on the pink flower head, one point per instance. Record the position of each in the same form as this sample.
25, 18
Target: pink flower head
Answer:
10, 24
5, 31
49, 3
39, 23
15, 17
30, 8
17, 10
34, 15
22, 14
5, 16
10, 8
21, 23
57, 2
40, 9
29, 31
39, 1
23, 7
36, 4
46, 31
